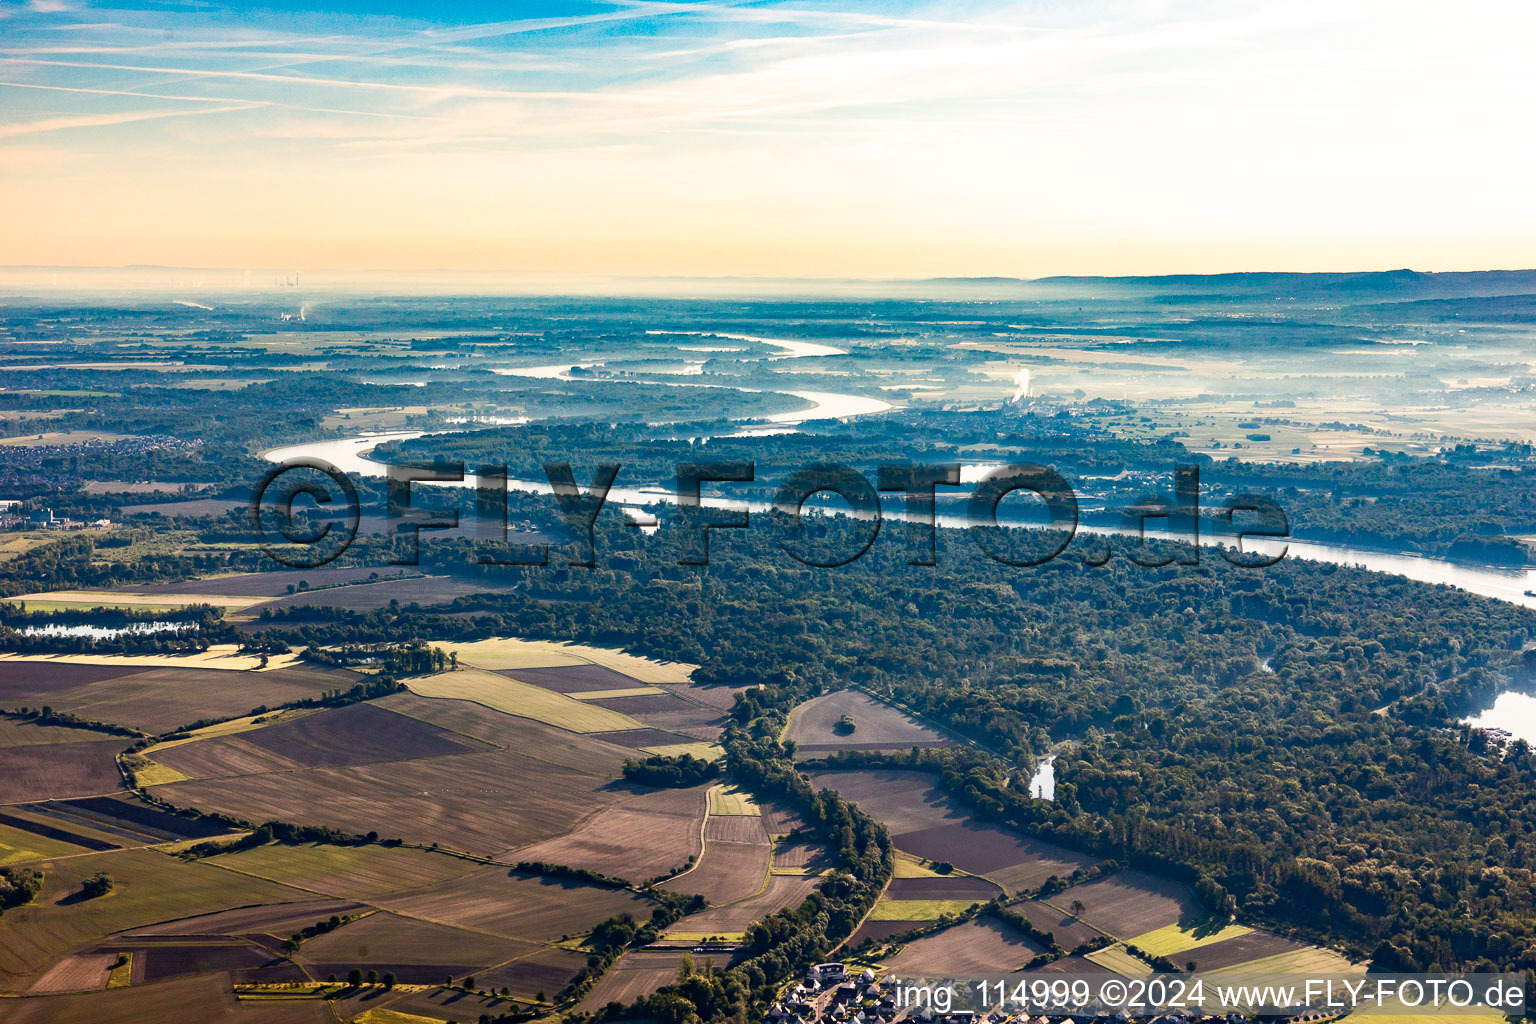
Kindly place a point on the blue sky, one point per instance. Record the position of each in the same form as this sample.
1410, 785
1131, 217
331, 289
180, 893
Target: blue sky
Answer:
789, 138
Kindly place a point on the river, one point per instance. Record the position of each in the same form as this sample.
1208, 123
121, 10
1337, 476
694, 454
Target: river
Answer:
349, 454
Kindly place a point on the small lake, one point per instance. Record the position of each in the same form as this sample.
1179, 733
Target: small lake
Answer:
1043, 785
109, 632
1513, 712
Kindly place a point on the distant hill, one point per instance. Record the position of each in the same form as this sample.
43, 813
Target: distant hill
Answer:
1362, 287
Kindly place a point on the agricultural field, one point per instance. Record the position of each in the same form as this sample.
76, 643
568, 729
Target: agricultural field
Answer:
1068, 930
224, 657
503, 693
54, 770
981, 946
199, 1000
737, 854
816, 727
528, 907
645, 834
148, 887
1238, 951
355, 734
344, 872
926, 822
1118, 959
1183, 936
1307, 960
1130, 903
463, 802
386, 941
511, 653
83, 972
158, 700
641, 972
918, 910
733, 919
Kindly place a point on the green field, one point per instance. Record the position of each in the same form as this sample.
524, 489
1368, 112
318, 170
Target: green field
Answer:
1116, 958
17, 846
148, 887
1312, 960
730, 800
918, 910
1176, 938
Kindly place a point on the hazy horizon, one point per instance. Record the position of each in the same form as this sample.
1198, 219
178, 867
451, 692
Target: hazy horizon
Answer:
805, 140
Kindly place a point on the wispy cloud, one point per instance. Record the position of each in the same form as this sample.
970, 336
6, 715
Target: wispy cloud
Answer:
54, 124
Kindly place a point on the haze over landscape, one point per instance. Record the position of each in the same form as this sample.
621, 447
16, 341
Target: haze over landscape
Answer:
694, 512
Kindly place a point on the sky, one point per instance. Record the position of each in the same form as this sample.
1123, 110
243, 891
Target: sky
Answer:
802, 138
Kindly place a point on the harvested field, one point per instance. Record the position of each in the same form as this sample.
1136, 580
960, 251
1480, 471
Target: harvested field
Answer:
547, 970
632, 691
83, 972
148, 887
162, 961
77, 599
924, 821
530, 908
1309, 960
1069, 932
1012, 861
575, 678
639, 739
1071, 965
1131, 903
727, 872
19, 732
1238, 951
721, 698
813, 726
982, 946
646, 834
278, 919
349, 872
427, 1006
591, 751
356, 734
385, 941
503, 693
512, 653
942, 887
59, 770
130, 814
801, 859
698, 722
903, 801
223, 657
159, 700
702, 751
21, 680
533, 908
781, 891
463, 802
637, 973
367, 597
276, 582
661, 703
201, 1000
735, 828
